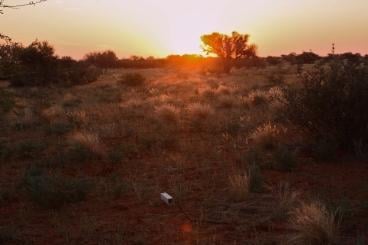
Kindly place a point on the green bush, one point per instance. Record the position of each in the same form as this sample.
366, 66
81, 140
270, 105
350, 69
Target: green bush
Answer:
51, 191
331, 103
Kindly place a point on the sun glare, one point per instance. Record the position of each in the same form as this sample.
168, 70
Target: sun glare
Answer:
185, 37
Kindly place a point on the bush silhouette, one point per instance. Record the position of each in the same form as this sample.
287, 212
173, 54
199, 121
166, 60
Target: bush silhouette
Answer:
37, 65
106, 59
331, 103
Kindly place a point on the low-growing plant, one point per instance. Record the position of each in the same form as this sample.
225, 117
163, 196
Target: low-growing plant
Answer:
266, 137
256, 98
199, 114
132, 79
239, 186
168, 113
287, 200
315, 224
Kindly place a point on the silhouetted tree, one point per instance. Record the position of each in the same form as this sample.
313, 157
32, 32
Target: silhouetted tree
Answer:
307, 58
4, 5
228, 48
106, 59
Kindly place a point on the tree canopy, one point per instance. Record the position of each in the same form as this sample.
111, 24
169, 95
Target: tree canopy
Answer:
4, 5
228, 47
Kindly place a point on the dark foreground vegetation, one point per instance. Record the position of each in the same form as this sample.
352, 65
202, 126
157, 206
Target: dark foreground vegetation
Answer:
272, 152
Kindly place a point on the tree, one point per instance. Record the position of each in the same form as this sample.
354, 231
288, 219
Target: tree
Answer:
4, 5
228, 48
106, 59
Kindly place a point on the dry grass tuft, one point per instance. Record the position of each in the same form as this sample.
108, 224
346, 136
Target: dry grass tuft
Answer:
239, 186
169, 113
287, 200
89, 140
256, 98
52, 113
200, 111
314, 224
266, 136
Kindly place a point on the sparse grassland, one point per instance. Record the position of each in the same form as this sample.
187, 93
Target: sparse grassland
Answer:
86, 164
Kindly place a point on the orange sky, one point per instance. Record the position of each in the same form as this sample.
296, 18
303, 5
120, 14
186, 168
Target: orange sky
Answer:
162, 27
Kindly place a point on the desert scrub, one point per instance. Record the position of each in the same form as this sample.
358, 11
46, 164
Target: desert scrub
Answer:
199, 115
132, 79
168, 113
314, 224
256, 98
266, 137
53, 191
89, 140
330, 103
286, 200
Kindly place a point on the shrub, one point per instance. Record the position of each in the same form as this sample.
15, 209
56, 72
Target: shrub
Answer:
256, 98
286, 200
106, 59
331, 103
314, 224
266, 137
132, 79
168, 113
53, 192
37, 65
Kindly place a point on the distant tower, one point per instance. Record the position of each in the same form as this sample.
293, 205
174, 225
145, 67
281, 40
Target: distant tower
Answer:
333, 49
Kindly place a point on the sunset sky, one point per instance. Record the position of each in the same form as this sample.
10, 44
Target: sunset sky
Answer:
162, 27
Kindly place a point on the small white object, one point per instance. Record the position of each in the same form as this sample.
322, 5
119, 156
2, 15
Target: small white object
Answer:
166, 198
